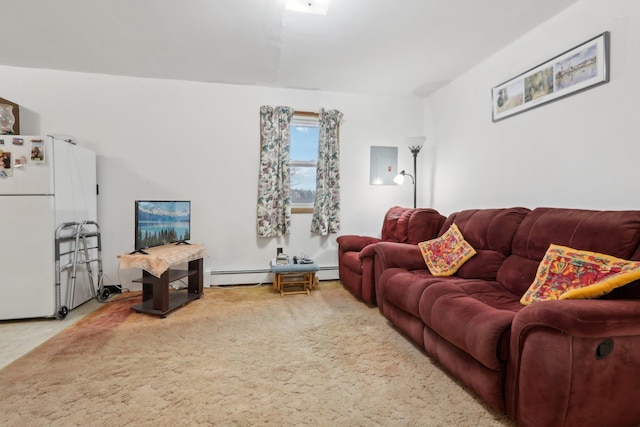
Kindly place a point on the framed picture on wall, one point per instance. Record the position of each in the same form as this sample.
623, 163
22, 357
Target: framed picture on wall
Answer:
16, 114
580, 68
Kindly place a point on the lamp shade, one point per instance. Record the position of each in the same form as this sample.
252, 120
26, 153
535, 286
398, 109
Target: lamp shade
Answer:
415, 142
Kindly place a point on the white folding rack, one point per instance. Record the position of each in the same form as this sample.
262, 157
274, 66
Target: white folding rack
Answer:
81, 240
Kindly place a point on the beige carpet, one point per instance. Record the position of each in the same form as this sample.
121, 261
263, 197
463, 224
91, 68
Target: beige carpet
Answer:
237, 357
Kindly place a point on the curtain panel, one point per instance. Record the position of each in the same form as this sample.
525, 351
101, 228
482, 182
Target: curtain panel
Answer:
274, 200
326, 209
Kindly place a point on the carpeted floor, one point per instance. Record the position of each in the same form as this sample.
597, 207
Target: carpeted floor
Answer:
237, 357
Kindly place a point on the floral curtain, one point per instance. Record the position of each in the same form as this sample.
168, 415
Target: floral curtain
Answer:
326, 209
274, 202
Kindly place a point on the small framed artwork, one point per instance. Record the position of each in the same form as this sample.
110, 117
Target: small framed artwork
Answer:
580, 68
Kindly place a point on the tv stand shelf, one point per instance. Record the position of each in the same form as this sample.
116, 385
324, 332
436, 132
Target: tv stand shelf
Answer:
173, 276
156, 298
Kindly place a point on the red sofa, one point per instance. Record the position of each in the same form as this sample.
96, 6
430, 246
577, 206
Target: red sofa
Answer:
356, 253
551, 363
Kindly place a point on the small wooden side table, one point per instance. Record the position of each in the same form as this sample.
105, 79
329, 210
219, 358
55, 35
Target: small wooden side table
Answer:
301, 277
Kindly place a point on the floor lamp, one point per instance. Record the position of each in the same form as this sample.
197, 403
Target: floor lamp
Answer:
415, 144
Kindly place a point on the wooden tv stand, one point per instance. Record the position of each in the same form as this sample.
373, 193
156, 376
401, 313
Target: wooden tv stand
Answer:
156, 277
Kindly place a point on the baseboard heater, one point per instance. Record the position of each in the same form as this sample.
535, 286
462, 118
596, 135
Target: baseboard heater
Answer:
258, 271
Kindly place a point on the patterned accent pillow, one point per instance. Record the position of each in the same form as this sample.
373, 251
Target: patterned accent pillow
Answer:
566, 273
446, 254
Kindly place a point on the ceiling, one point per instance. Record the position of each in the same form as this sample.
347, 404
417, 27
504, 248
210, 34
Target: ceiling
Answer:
382, 47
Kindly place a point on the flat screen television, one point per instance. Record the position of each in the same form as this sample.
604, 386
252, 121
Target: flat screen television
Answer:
159, 222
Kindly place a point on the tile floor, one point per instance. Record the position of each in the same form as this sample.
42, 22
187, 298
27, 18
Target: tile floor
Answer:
18, 337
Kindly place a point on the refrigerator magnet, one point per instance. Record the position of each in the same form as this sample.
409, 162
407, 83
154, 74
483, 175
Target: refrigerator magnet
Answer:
6, 165
19, 162
37, 150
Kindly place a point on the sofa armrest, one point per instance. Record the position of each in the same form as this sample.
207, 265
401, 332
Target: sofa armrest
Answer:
588, 349
581, 318
351, 242
368, 251
399, 255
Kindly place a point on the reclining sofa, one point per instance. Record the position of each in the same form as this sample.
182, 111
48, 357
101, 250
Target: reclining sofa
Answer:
569, 362
356, 253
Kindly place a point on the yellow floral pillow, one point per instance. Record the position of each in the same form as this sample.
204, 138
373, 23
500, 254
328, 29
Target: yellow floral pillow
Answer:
446, 254
566, 273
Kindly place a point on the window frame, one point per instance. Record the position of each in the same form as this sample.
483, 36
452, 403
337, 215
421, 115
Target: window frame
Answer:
304, 115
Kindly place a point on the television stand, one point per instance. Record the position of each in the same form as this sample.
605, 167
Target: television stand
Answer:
156, 298
157, 275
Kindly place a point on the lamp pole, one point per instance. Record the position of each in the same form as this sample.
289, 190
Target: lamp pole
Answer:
415, 149
415, 144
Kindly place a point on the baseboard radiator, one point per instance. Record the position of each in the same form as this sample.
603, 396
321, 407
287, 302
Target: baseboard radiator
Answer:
262, 275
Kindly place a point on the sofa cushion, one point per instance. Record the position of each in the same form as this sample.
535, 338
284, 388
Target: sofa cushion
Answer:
567, 273
485, 265
424, 224
490, 233
396, 224
447, 253
405, 288
615, 233
474, 315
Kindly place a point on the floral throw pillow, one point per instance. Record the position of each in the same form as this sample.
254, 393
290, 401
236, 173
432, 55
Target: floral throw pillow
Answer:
446, 254
566, 273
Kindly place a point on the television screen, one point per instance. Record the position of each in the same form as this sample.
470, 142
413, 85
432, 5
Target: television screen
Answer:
160, 222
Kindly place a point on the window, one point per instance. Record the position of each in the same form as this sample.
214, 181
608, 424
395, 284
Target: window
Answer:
303, 161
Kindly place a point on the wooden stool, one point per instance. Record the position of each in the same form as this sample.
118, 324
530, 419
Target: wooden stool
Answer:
294, 275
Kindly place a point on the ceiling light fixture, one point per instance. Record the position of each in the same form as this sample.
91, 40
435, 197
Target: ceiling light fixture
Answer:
316, 7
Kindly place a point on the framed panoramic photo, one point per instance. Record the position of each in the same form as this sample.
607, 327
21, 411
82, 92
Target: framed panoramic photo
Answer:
580, 68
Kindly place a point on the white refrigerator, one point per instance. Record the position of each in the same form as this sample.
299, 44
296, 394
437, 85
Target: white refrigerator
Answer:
44, 181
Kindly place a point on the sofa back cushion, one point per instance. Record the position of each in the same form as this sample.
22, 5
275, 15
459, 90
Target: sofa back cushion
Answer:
396, 224
630, 291
424, 224
490, 233
410, 225
615, 233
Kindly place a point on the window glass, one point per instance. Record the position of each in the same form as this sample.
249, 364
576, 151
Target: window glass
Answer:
304, 160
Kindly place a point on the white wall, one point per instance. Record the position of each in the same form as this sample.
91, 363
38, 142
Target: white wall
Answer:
581, 151
161, 139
